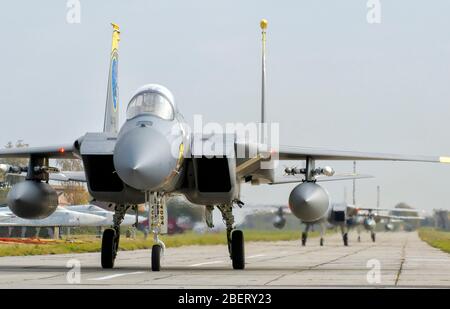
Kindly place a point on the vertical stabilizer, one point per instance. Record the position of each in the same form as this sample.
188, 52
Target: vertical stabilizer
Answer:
111, 123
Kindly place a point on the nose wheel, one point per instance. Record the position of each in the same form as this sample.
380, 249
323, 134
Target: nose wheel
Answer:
156, 257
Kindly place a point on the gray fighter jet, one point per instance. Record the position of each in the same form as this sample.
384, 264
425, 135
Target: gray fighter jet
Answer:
128, 220
62, 217
153, 155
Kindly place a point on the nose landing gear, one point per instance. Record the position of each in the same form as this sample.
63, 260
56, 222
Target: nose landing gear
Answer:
158, 221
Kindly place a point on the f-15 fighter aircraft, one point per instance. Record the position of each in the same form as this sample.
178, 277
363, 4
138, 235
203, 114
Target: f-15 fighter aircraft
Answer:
153, 155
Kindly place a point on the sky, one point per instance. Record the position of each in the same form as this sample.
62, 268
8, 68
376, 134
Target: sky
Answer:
334, 80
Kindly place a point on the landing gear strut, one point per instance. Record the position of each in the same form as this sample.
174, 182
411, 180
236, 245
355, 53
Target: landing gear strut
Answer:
111, 237
156, 205
322, 233
305, 234
235, 238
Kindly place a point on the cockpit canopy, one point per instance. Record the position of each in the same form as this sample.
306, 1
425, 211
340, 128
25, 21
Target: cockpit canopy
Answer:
153, 100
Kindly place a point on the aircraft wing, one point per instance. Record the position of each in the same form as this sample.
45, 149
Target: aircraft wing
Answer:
63, 176
323, 178
299, 153
400, 218
387, 209
57, 152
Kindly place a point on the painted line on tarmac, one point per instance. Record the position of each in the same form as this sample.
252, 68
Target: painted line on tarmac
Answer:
255, 256
221, 261
206, 263
115, 276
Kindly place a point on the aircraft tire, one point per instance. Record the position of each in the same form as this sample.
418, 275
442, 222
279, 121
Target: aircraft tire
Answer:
304, 239
109, 247
156, 258
345, 238
237, 249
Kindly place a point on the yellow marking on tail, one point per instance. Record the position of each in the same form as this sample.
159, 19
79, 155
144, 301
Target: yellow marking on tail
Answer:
115, 37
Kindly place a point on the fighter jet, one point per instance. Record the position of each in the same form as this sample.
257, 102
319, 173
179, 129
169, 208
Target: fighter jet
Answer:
153, 155
336, 216
62, 217
367, 218
128, 220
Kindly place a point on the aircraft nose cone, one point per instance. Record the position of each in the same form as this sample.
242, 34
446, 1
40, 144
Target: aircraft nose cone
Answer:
143, 158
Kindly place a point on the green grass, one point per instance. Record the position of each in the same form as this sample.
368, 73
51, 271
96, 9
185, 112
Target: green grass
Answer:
82, 244
436, 238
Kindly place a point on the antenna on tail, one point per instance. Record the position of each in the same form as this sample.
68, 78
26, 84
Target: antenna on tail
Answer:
378, 197
263, 24
354, 184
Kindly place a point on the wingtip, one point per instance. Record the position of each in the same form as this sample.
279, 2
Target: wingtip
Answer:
444, 159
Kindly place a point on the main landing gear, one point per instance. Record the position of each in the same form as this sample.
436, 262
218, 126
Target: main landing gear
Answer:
372, 235
344, 233
322, 233
345, 239
305, 234
111, 237
235, 238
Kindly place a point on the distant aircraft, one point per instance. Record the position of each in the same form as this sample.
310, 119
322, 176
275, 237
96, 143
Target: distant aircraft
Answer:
369, 217
128, 220
154, 155
69, 216
336, 216
62, 217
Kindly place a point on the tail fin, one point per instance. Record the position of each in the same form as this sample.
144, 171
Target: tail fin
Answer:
112, 98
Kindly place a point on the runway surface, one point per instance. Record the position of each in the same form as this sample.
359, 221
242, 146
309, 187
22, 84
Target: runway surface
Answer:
402, 259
